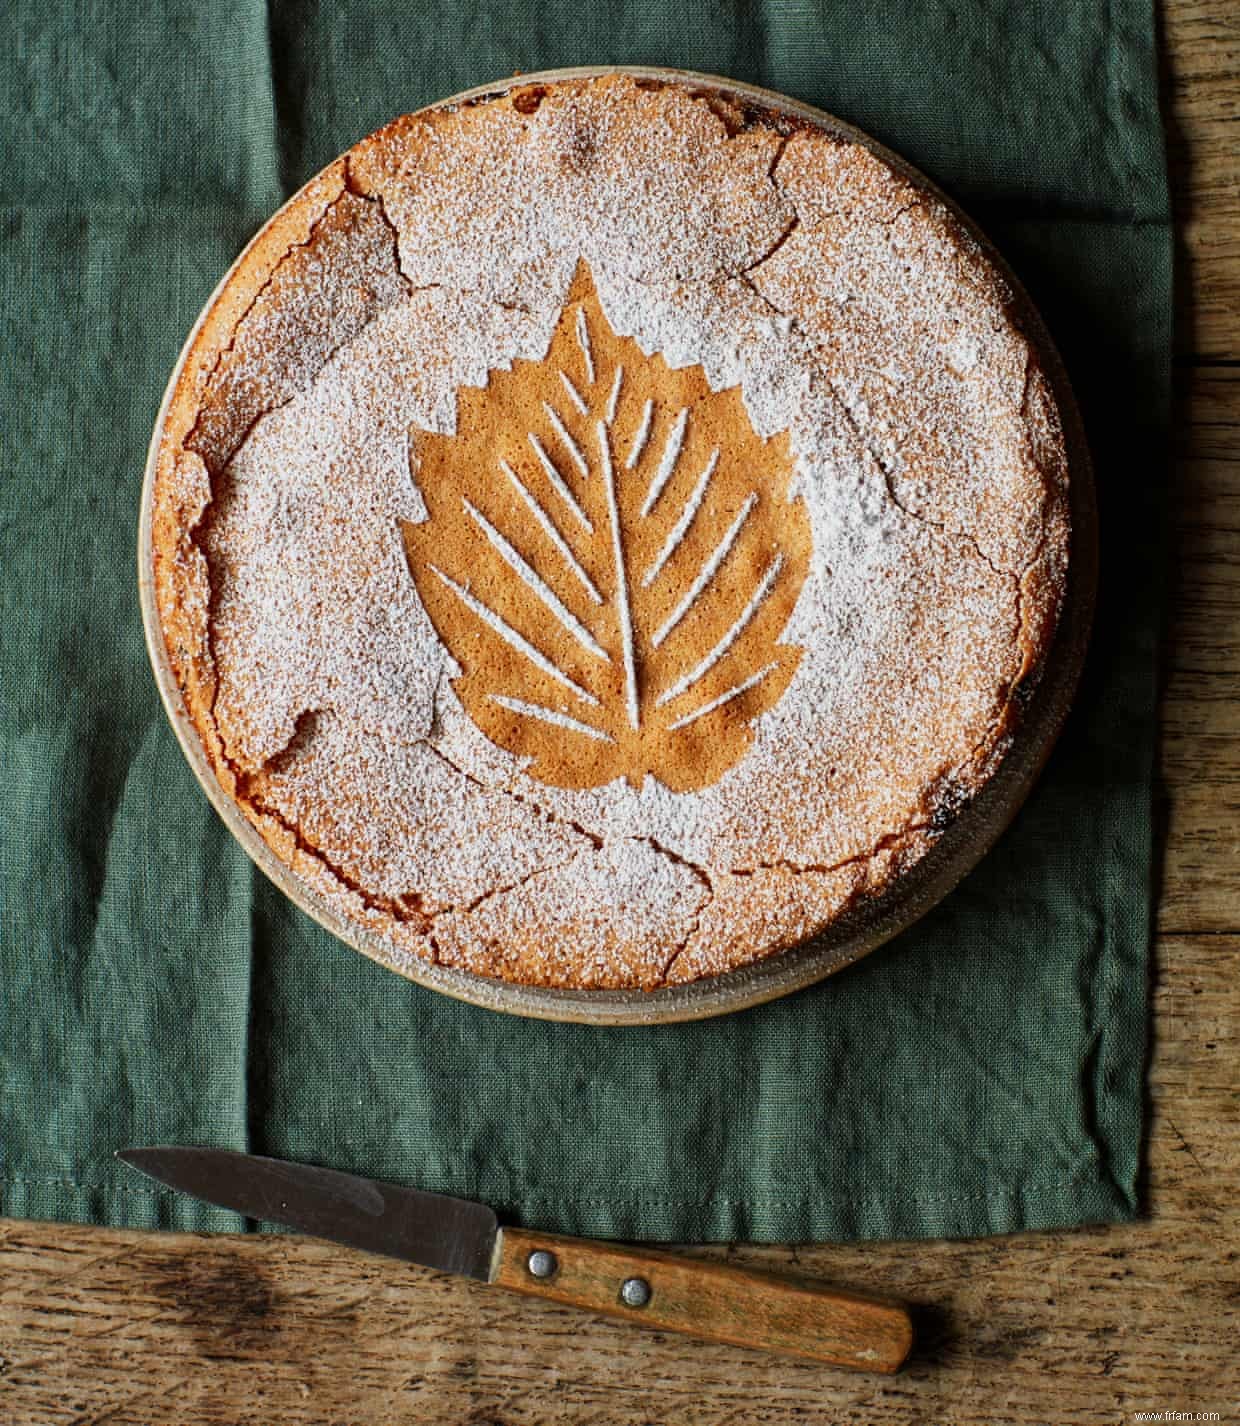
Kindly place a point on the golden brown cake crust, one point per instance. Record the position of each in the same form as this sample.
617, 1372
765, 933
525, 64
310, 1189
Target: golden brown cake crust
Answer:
601, 534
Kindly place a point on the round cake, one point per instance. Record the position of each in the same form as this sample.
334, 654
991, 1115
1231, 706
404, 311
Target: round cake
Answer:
605, 531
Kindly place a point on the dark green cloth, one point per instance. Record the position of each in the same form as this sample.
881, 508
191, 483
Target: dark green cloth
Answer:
983, 1073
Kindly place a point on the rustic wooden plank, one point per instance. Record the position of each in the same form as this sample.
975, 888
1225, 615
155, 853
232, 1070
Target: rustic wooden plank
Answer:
145, 1329
1200, 755
1201, 81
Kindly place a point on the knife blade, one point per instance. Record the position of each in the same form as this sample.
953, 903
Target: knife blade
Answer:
644, 1286
451, 1235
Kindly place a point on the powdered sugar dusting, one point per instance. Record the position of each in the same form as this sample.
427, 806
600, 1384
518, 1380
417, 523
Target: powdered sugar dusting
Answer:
614, 395
667, 461
574, 395
583, 341
734, 692
553, 472
642, 436
879, 342
566, 438
550, 715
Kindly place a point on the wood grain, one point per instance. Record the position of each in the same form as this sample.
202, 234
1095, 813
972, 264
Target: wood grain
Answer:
1201, 77
717, 1302
1085, 1327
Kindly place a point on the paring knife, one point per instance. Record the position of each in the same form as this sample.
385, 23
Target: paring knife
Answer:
653, 1289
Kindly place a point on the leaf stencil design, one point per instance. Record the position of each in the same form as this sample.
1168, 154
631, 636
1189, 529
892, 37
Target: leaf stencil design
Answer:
611, 556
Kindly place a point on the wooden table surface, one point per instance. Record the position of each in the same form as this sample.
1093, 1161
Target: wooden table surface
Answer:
1089, 1326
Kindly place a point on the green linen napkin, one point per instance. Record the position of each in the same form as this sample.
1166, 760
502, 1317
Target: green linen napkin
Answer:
983, 1073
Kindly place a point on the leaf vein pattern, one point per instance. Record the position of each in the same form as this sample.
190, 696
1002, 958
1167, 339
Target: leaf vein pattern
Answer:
610, 556
574, 395
512, 637
681, 528
566, 436
583, 341
697, 673
642, 436
521, 567
734, 692
557, 482
613, 396
549, 529
707, 572
622, 583
667, 462
550, 715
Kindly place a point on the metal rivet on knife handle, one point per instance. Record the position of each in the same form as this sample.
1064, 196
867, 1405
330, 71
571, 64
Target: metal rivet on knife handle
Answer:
542, 1263
635, 1292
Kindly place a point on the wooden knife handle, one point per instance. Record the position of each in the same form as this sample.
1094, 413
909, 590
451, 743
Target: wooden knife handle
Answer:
721, 1304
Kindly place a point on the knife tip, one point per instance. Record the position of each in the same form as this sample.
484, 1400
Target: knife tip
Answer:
133, 1157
